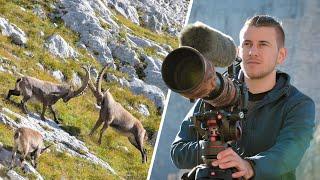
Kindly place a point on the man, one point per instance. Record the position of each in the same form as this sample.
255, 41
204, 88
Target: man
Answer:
280, 119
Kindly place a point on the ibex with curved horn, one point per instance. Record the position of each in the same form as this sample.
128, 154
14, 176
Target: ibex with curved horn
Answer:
47, 93
112, 113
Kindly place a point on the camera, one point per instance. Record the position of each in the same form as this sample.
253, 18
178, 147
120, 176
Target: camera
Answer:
190, 71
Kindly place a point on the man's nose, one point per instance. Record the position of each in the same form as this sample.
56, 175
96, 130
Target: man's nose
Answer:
253, 51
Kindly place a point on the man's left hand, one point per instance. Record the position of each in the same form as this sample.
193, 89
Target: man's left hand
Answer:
229, 159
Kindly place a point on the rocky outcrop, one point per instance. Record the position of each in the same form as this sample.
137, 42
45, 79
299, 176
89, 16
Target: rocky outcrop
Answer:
125, 9
143, 109
59, 47
81, 17
15, 33
139, 87
117, 42
157, 15
57, 74
153, 73
125, 54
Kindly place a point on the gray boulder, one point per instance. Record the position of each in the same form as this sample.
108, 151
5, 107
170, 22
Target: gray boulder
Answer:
76, 80
57, 74
16, 34
152, 23
153, 93
123, 82
14, 175
59, 47
124, 53
81, 17
140, 42
143, 109
153, 73
125, 9
161, 15
129, 70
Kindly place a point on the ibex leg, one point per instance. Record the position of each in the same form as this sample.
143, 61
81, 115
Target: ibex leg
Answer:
98, 123
138, 143
43, 112
23, 104
105, 126
12, 92
14, 154
143, 152
54, 115
34, 156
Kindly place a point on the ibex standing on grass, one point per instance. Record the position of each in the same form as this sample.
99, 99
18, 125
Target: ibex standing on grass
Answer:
46, 92
27, 141
112, 113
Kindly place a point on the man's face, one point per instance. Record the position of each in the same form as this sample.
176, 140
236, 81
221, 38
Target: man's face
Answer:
259, 51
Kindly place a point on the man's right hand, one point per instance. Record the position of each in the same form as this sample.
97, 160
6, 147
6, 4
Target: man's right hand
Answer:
230, 159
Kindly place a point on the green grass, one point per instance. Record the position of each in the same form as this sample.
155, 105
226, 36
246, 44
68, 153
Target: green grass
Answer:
6, 135
63, 166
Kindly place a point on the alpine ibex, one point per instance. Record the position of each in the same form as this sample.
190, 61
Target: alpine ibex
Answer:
112, 113
27, 141
47, 93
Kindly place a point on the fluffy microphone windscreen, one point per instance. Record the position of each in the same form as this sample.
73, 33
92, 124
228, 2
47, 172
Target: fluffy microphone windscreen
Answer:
214, 45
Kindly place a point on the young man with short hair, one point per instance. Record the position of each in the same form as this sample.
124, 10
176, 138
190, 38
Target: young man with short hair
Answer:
280, 119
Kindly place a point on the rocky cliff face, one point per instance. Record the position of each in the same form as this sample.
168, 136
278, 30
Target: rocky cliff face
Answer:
300, 21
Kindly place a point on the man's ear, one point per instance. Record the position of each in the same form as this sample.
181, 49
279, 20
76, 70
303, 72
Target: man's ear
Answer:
282, 55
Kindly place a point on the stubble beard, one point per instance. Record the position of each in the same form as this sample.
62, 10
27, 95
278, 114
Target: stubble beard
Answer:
258, 75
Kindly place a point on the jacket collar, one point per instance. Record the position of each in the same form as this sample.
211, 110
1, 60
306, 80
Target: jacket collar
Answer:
282, 86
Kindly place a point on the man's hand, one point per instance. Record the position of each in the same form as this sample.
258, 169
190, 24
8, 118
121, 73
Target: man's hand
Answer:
229, 159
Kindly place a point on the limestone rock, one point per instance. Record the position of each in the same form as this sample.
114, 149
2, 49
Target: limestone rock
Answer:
16, 34
59, 47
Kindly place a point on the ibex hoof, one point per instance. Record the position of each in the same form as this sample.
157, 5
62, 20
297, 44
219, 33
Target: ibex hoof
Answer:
58, 122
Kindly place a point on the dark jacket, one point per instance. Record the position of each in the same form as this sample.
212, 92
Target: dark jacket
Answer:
275, 135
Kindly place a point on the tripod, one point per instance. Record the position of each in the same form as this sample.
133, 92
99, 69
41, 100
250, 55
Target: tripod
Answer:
217, 127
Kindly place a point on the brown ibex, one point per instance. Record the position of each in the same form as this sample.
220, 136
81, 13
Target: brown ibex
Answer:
47, 93
112, 113
27, 141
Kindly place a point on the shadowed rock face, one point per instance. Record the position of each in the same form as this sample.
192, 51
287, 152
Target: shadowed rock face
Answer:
302, 40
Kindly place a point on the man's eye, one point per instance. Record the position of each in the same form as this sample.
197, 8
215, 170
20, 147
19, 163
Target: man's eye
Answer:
246, 44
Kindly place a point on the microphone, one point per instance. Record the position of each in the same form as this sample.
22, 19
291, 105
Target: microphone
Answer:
214, 45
